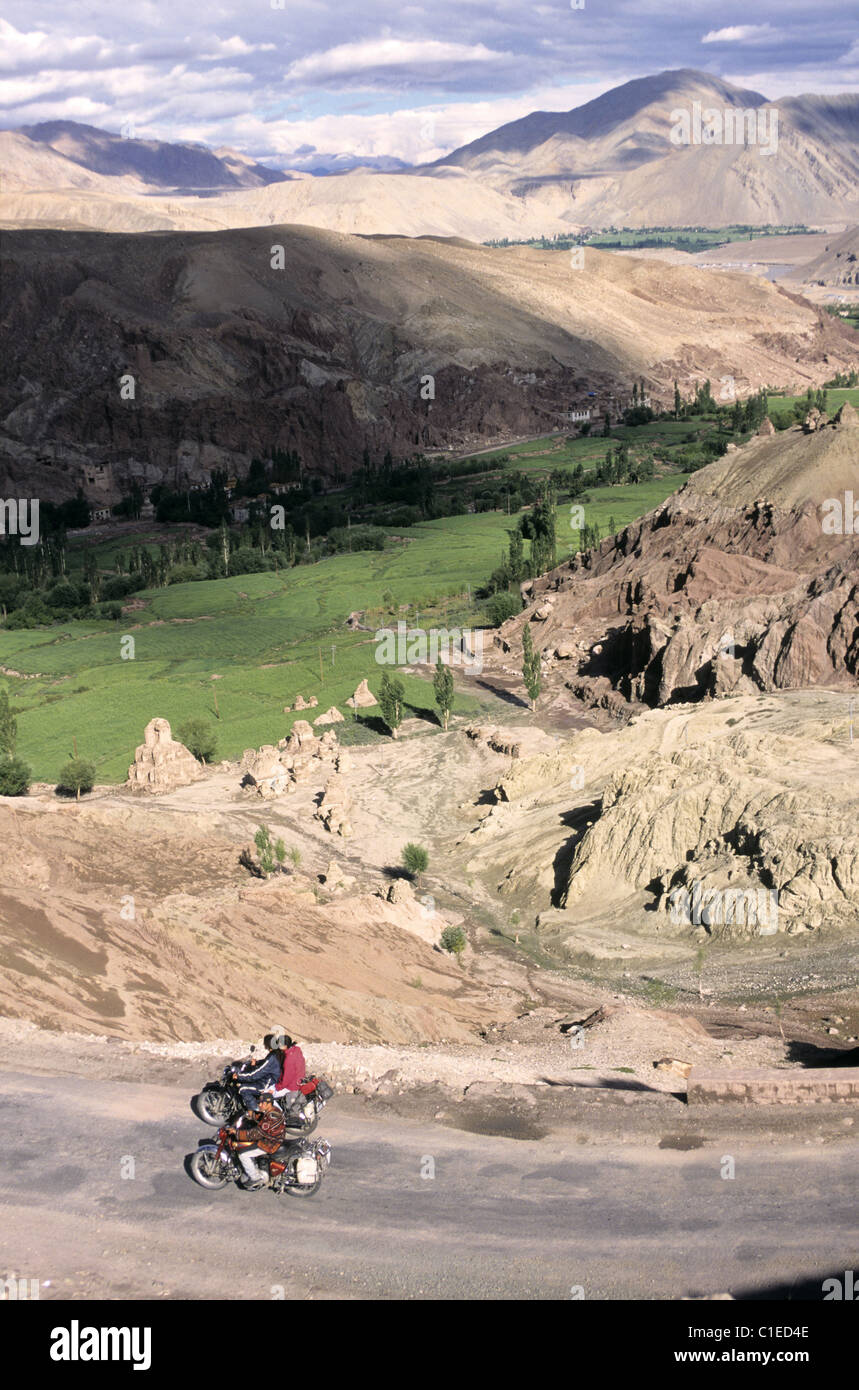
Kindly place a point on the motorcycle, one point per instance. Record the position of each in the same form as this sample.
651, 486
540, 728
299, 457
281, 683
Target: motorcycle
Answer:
220, 1102
296, 1167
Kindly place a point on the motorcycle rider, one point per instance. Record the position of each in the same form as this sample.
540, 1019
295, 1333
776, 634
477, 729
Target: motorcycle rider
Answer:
252, 1080
259, 1132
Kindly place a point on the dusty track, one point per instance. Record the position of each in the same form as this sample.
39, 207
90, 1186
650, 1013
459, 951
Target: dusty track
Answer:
502, 1218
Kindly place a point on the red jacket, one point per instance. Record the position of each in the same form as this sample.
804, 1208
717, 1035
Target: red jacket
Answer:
294, 1069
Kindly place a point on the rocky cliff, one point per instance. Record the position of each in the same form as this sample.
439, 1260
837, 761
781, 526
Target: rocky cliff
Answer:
745, 580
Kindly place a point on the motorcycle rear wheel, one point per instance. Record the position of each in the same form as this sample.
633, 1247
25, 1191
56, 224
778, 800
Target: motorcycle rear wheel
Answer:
306, 1127
304, 1189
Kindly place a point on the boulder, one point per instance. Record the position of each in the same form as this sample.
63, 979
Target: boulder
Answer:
400, 891
161, 763
674, 1065
335, 879
302, 739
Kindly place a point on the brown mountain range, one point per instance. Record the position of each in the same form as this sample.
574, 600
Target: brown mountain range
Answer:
612, 161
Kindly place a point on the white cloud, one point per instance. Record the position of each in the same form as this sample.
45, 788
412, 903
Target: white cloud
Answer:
270, 81
380, 55
234, 48
19, 49
740, 33
417, 135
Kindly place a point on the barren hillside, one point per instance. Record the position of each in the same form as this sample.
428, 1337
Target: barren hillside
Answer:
232, 358
609, 162
616, 161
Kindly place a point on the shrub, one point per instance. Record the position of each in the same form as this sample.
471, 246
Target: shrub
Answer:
185, 574
77, 776
503, 606
121, 585
66, 595
454, 940
108, 610
8, 726
443, 687
14, 777
199, 736
415, 860
32, 614
271, 853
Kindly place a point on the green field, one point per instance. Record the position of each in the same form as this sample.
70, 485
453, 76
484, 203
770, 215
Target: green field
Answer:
542, 455
782, 406
690, 238
262, 634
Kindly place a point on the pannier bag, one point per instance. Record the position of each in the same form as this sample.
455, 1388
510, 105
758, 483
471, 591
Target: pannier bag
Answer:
306, 1168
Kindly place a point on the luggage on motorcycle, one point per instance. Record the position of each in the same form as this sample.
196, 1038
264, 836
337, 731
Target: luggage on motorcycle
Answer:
323, 1090
306, 1169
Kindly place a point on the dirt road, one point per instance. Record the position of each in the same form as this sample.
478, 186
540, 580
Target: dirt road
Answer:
501, 1218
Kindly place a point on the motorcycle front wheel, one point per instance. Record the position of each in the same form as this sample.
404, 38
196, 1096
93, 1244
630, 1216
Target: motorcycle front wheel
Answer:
206, 1168
213, 1107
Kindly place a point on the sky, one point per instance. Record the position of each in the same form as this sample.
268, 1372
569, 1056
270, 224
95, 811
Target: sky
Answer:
292, 81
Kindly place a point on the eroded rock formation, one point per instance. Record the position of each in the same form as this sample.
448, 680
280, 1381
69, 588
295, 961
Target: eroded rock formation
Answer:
747, 579
161, 763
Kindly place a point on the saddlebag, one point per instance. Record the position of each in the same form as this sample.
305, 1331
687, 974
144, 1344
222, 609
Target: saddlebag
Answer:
306, 1169
323, 1090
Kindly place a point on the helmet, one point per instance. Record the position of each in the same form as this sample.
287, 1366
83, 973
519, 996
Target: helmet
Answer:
282, 1040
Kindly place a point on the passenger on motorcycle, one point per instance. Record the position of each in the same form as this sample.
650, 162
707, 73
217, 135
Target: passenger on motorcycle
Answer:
293, 1070
260, 1131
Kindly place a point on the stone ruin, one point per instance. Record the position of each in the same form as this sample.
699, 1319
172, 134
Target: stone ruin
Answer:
331, 716
363, 697
161, 763
272, 770
333, 810
301, 703
814, 420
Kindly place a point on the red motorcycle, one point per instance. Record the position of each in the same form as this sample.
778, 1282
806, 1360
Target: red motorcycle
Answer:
296, 1166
